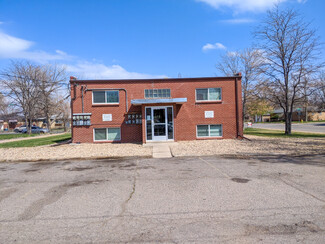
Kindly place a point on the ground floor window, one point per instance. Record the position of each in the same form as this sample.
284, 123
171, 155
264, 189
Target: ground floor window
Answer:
209, 130
107, 134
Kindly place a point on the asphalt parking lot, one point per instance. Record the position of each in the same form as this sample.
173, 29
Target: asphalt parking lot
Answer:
233, 199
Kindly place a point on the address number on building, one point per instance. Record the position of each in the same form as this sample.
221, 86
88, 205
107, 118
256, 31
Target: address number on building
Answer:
209, 114
107, 117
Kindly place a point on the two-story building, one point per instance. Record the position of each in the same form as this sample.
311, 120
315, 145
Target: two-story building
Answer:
148, 110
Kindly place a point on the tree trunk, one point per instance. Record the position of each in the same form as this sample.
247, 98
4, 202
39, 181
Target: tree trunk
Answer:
288, 120
29, 127
26, 123
48, 126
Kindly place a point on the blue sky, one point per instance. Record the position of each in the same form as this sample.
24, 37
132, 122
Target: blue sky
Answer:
136, 38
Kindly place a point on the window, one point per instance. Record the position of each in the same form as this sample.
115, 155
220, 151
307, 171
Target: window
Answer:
157, 93
102, 97
208, 94
209, 130
107, 134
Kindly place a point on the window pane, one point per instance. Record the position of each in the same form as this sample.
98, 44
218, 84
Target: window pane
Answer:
160, 94
99, 96
214, 94
112, 96
100, 134
114, 134
146, 93
215, 130
168, 92
155, 93
170, 122
151, 93
148, 121
201, 94
202, 130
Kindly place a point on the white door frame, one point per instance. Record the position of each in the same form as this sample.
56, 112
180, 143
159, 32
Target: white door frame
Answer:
159, 138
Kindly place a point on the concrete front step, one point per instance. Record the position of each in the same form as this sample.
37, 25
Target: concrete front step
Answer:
161, 150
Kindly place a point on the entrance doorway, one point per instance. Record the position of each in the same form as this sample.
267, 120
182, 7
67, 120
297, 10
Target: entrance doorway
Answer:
159, 123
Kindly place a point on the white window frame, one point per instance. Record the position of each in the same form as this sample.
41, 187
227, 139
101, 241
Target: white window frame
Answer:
118, 95
197, 136
208, 94
107, 134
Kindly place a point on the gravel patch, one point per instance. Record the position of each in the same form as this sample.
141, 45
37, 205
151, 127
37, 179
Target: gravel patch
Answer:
257, 145
74, 151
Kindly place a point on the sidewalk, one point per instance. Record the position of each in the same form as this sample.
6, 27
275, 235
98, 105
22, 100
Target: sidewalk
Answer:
160, 149
30, 138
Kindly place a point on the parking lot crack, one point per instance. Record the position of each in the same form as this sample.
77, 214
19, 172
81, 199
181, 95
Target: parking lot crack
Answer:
293, 185
216, 168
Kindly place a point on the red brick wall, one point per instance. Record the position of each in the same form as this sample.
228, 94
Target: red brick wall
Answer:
186, 116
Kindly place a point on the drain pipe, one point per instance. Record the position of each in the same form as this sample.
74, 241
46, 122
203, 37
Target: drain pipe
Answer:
82, 99
106, 89
71, 102
236, 102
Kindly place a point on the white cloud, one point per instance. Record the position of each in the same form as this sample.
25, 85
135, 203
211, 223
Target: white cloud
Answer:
10, 44
13, 47
87, 70
232, 54
244, 5
237, 21
16, 48
210, 46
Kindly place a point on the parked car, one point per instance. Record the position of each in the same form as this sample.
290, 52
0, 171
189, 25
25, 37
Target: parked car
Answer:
36, 130
20, 129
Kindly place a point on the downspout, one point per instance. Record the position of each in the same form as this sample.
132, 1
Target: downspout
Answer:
82, 99
105, 89
71, 103
236, 106
236, 101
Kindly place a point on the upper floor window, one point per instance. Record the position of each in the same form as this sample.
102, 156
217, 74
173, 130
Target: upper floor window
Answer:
208, 94
101, 97
157, 93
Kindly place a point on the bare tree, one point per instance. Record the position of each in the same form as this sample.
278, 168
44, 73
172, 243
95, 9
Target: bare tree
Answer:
318, 97
33, 88
20, 84
64, 111
247, 62
53, 77
290, 50
3, 105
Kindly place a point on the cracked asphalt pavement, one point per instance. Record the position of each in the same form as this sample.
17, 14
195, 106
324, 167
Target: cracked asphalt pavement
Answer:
230, 199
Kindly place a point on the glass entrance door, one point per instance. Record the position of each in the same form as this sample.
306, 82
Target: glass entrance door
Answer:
159, 123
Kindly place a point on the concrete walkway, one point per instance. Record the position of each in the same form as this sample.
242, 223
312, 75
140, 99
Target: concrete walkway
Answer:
160, 149
30, 138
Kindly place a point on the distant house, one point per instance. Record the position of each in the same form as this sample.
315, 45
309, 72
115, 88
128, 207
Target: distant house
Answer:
313, 113
9, 122
56, 122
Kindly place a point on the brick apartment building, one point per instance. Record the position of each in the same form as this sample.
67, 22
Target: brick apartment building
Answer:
140, 111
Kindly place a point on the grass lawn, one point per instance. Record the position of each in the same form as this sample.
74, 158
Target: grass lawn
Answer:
37, 141
280, 133
12, 136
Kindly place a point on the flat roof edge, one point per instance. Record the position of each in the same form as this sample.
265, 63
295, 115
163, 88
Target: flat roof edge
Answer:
157, 79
